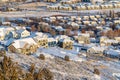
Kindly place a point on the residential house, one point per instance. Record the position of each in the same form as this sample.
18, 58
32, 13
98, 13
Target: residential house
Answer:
110, 42
83, 38
41, 41
2, 34
59, 37
40, 34
24, 46
117, 39
6, 23
23, 33
66, 44
52, 42
112, 53
102, 39
96, 50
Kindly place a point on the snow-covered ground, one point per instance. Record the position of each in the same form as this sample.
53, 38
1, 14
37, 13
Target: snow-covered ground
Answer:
73, 70
59, 52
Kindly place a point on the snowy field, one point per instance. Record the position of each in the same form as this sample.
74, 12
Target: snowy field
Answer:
59, 52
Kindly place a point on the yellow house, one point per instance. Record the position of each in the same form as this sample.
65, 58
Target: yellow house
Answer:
83, 39
66, 44
41, 41
24, 46
102, 39
117, 38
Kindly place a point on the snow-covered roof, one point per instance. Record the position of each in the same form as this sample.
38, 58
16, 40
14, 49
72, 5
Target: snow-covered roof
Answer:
21, 30
2, 31
40, 34
22, 42
51, 40
110, 41
66, 40
62, 37
113, 52
84, 34
98, 48
4, 23
7, 42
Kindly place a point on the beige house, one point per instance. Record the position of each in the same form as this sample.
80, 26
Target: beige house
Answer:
96, 50
24, 46
41, 41
117, 39
84, 38
66, 44
110, 42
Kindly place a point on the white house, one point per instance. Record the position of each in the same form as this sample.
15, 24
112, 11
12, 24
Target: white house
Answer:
112, 53
23, 33
2, 33
96, 49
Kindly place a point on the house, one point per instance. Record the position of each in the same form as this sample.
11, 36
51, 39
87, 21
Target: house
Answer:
8, 36
85, 17
2, 34
52, 42
14, 34
24, 46
6, 23
102, 39
59, 37
52, 19
74, 25
23, 33
40, 34
98, 16
117, 39
9, 29
112, 53
110, 42
41, 41
86, 22
96, 50
6, 43
83, 38
66, 44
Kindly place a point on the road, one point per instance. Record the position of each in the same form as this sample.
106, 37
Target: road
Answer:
42, 12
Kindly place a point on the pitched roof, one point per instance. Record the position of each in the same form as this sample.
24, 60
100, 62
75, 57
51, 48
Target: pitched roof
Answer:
22, 42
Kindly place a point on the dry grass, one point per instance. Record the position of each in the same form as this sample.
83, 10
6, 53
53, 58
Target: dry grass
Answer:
12, 71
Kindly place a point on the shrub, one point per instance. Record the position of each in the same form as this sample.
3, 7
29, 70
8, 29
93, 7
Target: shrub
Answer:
45, 74
42, 57
2, 53
67, 58
96, 71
